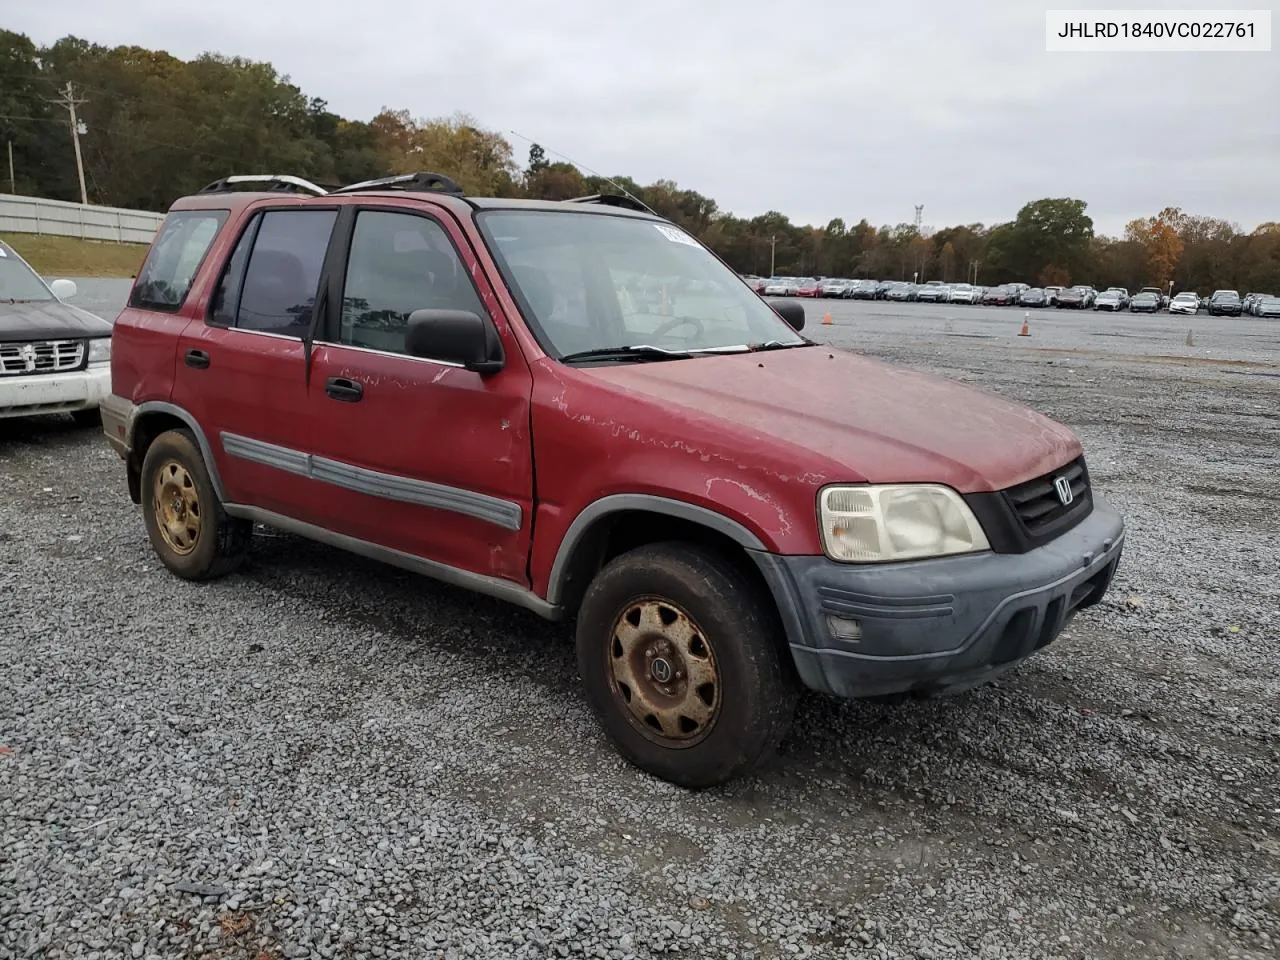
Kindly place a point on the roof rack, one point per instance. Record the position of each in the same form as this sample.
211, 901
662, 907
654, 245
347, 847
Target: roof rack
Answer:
613, 200
277, 181
425, 182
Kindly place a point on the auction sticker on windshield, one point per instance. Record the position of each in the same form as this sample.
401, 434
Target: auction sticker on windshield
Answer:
674, 235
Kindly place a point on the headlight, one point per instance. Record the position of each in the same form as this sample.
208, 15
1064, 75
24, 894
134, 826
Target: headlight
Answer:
878, 524
100, 350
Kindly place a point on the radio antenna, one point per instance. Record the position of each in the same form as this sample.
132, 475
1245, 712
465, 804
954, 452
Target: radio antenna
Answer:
625, 192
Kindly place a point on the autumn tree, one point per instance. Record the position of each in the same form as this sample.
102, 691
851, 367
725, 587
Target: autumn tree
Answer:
1053, 275
479, 161
1160, 238
555, 181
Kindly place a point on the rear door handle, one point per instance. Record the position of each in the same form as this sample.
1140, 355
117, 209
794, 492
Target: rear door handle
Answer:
197, 359
341, 388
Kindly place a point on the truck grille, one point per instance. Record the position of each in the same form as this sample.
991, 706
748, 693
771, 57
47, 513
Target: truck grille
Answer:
40, 356
1039, 507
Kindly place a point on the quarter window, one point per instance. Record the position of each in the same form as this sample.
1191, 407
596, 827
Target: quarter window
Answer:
226, 299
176, 253
279, 289
399, 263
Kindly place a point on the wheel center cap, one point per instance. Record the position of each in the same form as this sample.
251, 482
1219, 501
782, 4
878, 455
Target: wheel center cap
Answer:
661, 671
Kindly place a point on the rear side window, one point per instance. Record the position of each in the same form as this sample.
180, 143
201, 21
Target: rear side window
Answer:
226, 298
271, 279
175, 255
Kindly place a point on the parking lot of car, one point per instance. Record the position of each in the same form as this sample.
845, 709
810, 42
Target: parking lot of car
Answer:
321, 756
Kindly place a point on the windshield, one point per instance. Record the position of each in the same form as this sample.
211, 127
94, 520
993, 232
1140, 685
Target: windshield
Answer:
596, 281
18, 281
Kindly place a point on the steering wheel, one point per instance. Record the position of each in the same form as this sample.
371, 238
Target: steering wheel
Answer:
676, 322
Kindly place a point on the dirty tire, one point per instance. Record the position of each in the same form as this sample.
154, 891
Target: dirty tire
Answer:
219, 542
88, 418
756, 699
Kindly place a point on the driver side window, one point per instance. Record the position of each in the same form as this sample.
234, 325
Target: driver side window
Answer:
399, 263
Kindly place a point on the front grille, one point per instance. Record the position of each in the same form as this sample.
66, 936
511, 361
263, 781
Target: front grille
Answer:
1037, 503
1031, 514
40, 356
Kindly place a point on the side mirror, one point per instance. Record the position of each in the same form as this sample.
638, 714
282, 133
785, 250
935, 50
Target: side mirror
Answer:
790, 311
63, 289
455, 336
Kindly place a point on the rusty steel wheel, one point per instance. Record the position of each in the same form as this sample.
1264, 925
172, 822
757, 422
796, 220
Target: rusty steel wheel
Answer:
680, 654
187, 527
664, 671
177, 507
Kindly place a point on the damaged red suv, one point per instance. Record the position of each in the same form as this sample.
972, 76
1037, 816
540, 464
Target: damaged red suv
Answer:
576, 407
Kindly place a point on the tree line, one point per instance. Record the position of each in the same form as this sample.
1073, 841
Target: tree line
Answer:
157, 127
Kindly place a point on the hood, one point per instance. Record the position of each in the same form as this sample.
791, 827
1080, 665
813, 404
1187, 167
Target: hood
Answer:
48, 320
875, 422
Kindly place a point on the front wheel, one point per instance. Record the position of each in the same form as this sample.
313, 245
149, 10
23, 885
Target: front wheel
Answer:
682, 664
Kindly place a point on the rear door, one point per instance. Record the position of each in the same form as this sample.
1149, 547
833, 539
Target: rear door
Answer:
421, 456
163, 301
242, 371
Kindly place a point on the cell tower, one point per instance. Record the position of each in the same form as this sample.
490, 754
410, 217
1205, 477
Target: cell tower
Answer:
919, 215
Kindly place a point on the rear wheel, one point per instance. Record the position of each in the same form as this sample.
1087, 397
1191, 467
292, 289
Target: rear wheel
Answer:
185, 521
682, 664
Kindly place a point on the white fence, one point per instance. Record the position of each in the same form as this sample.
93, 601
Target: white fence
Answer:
62, 219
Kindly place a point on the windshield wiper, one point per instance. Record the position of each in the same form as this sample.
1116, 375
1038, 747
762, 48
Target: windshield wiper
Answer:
639, 351
777, 345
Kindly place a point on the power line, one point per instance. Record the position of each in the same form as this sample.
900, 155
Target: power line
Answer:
69, 101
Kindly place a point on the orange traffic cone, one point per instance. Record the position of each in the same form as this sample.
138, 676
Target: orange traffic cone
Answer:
826, 318
1026, 325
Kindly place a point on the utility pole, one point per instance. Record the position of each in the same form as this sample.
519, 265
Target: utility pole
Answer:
919, 215
68, 101
773, 246
12, 188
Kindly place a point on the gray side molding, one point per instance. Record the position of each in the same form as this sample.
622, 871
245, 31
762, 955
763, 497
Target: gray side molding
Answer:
388, 486
641, 501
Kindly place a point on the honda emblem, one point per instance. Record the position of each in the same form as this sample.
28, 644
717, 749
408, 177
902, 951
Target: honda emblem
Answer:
1063, 486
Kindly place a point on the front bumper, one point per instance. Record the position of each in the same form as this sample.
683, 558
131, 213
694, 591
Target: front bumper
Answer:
936, 626
39, 394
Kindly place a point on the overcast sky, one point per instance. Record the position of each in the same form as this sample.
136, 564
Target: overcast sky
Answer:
816, 109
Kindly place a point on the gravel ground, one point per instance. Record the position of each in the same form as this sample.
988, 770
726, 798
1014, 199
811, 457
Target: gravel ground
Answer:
324, 757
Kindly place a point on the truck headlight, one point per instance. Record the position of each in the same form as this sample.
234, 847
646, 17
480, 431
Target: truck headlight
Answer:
100, 350
878, 524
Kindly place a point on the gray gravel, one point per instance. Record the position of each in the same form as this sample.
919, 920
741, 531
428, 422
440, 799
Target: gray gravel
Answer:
323, 757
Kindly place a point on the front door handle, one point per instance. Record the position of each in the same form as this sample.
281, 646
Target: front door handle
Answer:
342, 388
197, 359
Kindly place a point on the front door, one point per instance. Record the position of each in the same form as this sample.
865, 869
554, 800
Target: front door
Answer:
421, 456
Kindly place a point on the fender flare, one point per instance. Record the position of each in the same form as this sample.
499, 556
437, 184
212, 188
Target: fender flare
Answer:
619, 502
163, 406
